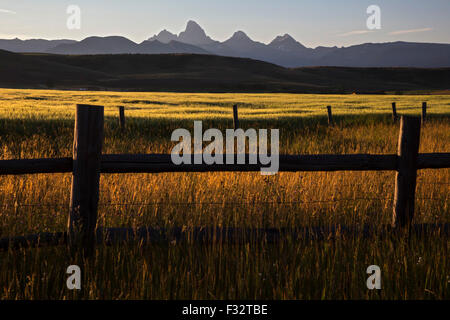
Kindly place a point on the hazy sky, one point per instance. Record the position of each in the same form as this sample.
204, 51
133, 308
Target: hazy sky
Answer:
312, 22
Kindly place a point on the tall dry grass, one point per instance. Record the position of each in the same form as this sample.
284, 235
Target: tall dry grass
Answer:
414, 269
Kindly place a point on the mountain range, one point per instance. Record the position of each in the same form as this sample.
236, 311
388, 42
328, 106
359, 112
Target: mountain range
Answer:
283, 50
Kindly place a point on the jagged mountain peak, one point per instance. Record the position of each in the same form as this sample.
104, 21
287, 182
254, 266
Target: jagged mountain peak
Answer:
285, 37
165, 32
286, 43
164, 36
240, 36
194, 34
193, 26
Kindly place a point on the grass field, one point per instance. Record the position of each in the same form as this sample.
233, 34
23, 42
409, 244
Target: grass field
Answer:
37, 123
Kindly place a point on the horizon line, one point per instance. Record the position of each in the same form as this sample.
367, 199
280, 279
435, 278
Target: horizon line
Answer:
26, 38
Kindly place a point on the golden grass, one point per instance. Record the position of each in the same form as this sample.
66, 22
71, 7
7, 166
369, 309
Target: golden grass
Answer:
50, 104
35, 123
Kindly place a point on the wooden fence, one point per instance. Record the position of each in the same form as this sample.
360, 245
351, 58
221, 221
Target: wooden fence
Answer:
329, 114
88, 163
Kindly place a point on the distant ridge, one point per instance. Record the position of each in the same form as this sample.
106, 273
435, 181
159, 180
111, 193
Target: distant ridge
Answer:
33, 45
121, 45
97, 45
203, 73
284, 50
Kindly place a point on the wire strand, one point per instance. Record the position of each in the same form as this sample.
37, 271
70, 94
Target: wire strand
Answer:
241, 203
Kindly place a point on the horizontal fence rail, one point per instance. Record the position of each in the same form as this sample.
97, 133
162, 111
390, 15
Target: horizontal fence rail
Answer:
155, 163
34, 166
287, 163
433, 161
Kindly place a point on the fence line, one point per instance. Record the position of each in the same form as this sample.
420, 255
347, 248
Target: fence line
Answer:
395, 115
158, 163
87, 163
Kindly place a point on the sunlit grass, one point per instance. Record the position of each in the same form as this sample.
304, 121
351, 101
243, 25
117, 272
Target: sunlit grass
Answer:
47, 104
36, 124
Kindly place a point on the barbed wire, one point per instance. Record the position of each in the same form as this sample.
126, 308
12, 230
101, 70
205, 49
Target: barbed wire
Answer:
434, 183
243, 202
240, 203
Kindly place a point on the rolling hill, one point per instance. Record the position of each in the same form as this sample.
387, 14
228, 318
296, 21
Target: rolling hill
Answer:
24, 71
204, 73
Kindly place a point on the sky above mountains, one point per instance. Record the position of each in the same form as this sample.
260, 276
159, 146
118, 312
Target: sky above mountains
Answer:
313, 23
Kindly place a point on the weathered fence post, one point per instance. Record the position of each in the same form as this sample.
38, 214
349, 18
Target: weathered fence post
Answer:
405, 184
424, 112
87, 150
122, 117
235, 117
394, 112
330, 116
